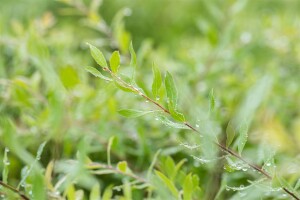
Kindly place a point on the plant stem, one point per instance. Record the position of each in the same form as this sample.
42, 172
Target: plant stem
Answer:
221, 146
14, 190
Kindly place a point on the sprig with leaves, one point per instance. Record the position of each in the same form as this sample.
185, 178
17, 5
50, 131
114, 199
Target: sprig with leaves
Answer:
172, 98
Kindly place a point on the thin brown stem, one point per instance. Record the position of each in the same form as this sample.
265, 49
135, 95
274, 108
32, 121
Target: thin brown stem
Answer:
23, 196
221, 146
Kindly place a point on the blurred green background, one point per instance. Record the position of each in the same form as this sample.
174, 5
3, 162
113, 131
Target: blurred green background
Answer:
248, 52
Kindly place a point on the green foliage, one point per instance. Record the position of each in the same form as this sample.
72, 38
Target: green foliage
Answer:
235, 65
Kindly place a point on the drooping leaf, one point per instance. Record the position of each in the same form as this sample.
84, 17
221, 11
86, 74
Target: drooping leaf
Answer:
172, 93
172, 124
157, 81
131, 113
170, 185
123, 86
96, 73
115, 61
98, 56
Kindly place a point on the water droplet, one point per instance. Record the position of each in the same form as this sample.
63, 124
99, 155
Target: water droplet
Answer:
6, 150
157, 98
242, 187
156, 118
227, 189
268, 164
197, 125
244, 169
146, 101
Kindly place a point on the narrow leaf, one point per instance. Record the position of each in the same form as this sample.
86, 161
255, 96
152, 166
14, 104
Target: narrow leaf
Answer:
132, 61
110, 142
131, 113
176, 115
243, 135
123, 86
167, 122
95, 192
212, 100
170, 185
172, 93
156, 80
188, 187
98, 56
115, 61
96, 73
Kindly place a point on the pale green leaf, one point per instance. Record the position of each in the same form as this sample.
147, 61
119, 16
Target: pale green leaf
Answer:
131, 113
188, 187
230, 132
212, 100
110, 143
115, 61
175, 114
157, 80
172, 93
95, 192
243, 135
107, 194
96, 73
167, 122
123, 86
98, 56
170, 185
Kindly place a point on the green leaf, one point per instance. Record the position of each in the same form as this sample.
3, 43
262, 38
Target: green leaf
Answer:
156, 80
243, 135
188, 187
122, 166
110, 142
170, 185
95, 192
167, 122
212, 101
172, 93
131, 113
133, 55
176, 115
98, 56
133, 62
153, 163
115, 61
107, 194
96, 73
6, 163
230, 132
123, 86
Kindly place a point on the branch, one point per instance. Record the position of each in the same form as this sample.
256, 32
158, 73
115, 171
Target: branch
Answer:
23, 196
187, 124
